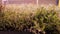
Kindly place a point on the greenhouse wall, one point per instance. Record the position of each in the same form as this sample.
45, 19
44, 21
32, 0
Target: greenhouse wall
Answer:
46, 2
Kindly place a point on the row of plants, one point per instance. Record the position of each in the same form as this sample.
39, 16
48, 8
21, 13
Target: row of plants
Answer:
39, 21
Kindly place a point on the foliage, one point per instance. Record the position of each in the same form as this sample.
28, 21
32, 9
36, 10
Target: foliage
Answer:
36, 20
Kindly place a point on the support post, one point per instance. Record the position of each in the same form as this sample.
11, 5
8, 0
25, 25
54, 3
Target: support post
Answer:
37, 2
59, 3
